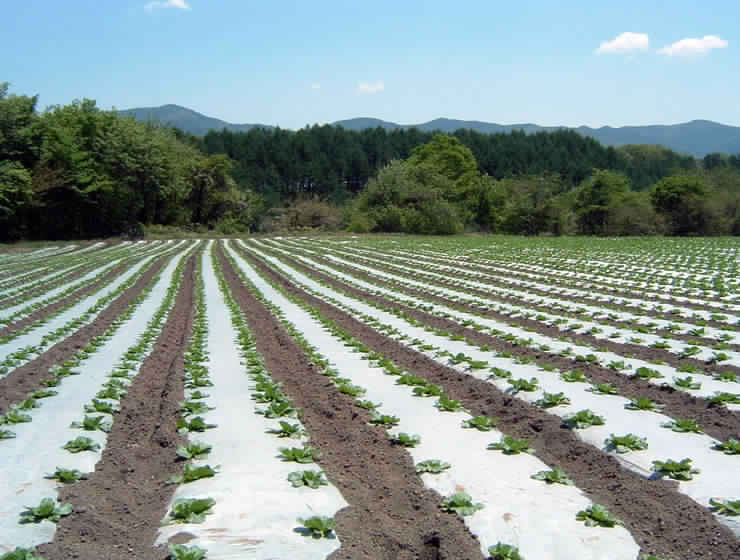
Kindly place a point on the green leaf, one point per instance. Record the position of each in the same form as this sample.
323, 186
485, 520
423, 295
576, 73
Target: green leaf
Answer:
405, 440
81, 443
432, 466
191, 474
311, 479
318, 526
47, 510
460, 503
21, 554
677, 470
481, 423
729, 447
550, 400
583, 419
193, 450
625, 444
554, 476
191, 510
501, 551
725, 507
182, 552
512, 446
597, 515
66, 476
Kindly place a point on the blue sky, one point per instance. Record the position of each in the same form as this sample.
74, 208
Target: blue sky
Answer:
293, 63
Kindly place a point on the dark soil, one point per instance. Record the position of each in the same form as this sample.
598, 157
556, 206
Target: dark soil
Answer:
659, 518
118, 509
716, 422
390, 514
18, 383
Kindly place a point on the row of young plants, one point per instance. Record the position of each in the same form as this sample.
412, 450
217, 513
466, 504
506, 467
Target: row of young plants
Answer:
93, 382
46, 291
712, 387
408, 404
247, 457
62, 274
716, 283
633, 317
607, 286
611, 282
16, 266
704, 449
35, 338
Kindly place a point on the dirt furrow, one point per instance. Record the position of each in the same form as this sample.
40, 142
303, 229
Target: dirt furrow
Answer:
660, 519
391, 515
118, 509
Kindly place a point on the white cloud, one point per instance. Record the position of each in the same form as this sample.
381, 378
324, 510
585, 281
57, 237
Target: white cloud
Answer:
315, 86
180, 4
624, 43
693, 46
370, 88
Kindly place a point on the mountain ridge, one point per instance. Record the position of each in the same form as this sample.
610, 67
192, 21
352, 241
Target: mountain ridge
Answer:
697, 137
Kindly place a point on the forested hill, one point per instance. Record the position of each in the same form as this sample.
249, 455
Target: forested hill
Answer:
696, 138
185, 119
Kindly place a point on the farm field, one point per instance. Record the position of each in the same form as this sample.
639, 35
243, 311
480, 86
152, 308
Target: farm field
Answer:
354, 397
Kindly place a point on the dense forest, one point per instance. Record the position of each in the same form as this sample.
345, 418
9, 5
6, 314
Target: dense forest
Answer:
76, 171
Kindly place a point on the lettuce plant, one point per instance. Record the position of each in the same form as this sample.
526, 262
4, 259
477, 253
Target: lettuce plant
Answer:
194, 407
318, 526
676, 470
432, 466
523, 385
93, 423
597, 515
311, 479
14, 417
385, 420
604, 389
482, 423
81, 443
102, 407
625, 444
20, 554
47, 510
644, 403
721, 399
575, 376
182, 552
550, 400
191, 474
368, 405
554, 476
428, 391
405, 440
583, 419
287, 430
193, 450
499, 373
725, 507
683, 425
408, 379
279, 409
66, 476
687, 383
512, 446
460, 503
191, 510
448, 405
297, 454
729, 447
647, 373
501, 551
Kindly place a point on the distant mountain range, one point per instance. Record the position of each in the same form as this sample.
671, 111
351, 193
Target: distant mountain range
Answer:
697, 138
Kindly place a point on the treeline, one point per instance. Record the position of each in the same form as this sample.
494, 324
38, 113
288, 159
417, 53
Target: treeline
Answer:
334, 164
75, 171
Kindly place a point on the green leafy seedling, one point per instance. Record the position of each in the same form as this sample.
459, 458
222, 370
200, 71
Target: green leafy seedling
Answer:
481, 423
687, 383
385, 420
501, 551
47, 510
405, 440
297, 454
597, 516
66, 476
93, 423
647, 373
644, 403
279, 409
432, 466
102, 407
428, 391
197, 424
729, 447
682, 425
191, 474
604, 389
460, 503
310, 479
183, 552
6, 434
551, 400
191, 510
21, 554
583, 419
725, 507
287, 430
193, 450
625, 444
676, 470
81, 443
575, 376
318, 526
448, 405
554, 476
511, 446
523, 385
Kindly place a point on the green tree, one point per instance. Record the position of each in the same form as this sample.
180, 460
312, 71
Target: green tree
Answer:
595, 199
681, 200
